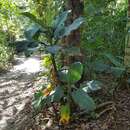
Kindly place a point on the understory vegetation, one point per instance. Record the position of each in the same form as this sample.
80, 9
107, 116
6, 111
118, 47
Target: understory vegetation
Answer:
6, 54
78, 46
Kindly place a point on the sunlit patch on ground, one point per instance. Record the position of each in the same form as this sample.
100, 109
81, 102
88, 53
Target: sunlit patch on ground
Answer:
29, 65
16, 87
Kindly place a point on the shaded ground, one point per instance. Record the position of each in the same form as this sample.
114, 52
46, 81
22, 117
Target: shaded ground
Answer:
16, 89
115, 115
16, 113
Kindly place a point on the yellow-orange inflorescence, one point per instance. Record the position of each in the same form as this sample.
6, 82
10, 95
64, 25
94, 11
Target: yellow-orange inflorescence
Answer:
48, 90
65, 114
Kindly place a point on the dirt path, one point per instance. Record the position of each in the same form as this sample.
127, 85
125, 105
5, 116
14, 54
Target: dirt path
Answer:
16, 90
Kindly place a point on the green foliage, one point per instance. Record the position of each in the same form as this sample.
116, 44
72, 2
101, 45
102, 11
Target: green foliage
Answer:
9, 19
65, 114
75, 72
115, 66
91, 86
59, 28
103, 41
62, 80
31, 33
63, 31
38, 100
83, 100
46, 10
75, 25
5, 52
113, 60
57, 94
72, 74
46, 61
71, 51
54, 49
105, 27
60, 20
103, 37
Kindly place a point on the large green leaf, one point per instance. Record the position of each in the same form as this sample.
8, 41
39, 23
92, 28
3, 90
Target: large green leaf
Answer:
63, 75
71, 51
91, 86
72, 74
57, 94
75, 72
60, 19
75, 25
63, 31
101, 67
118, 71
41, 101
59, 32
32, 17
113, 60
59, 24
84, 101
45, 28
32, 32
37, 102
53, 49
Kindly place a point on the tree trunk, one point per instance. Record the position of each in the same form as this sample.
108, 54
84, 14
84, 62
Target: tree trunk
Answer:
76, 7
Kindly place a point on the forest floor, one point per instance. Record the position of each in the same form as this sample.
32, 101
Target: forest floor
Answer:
16, 90
16, 113
113, 112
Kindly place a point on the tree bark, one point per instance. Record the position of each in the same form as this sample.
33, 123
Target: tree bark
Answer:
76, 7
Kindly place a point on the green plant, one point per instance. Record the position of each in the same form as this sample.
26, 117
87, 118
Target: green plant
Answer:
62, 87
9, 19
104, 33
5, 52
105, 26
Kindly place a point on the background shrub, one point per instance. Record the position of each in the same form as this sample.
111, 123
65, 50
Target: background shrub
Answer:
6, 53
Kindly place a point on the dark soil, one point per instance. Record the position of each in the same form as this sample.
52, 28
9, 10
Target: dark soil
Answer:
113, 115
